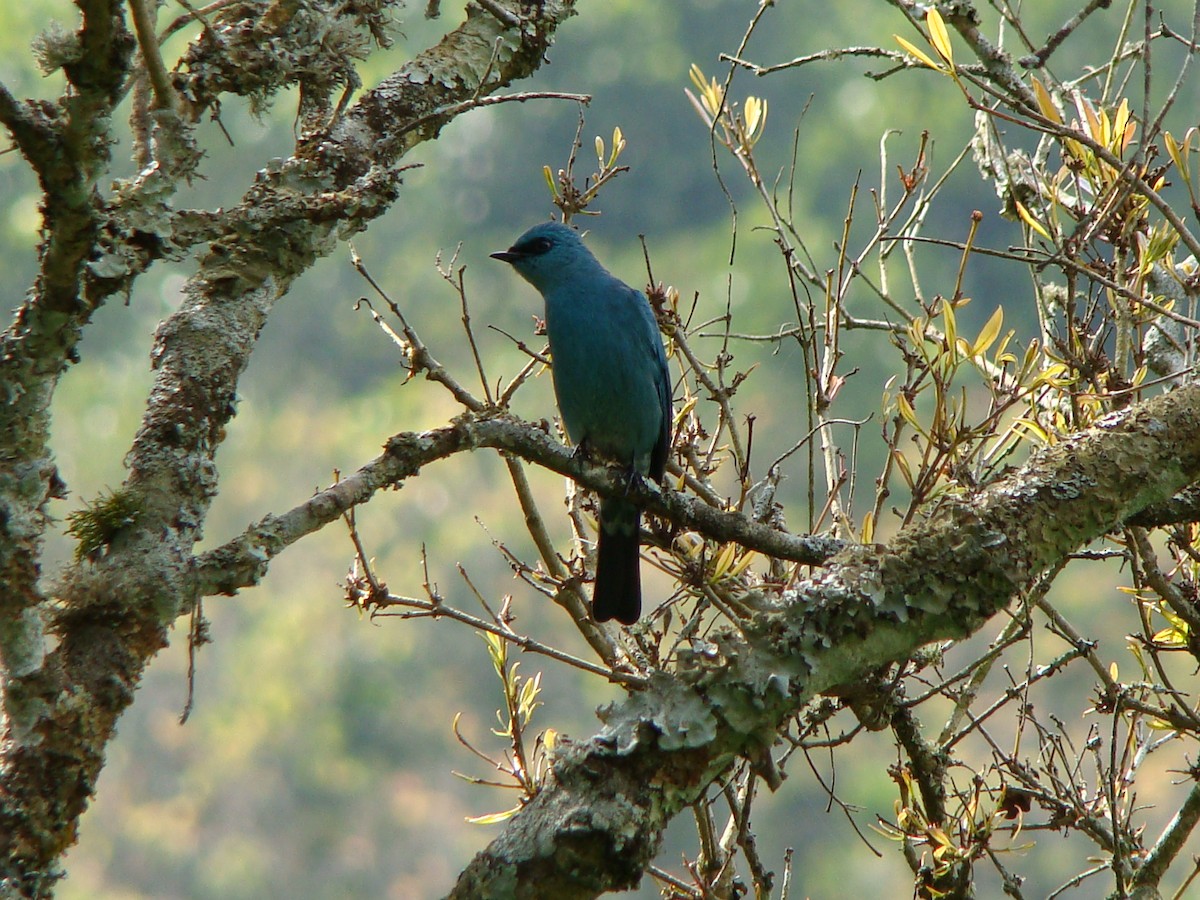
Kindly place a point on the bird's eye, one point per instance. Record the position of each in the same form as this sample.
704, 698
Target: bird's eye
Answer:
540, 245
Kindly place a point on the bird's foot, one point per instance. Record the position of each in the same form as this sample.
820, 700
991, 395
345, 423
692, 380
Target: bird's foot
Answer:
633, 478
582, 452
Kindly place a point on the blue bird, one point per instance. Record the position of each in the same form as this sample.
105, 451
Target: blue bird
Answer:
612, 385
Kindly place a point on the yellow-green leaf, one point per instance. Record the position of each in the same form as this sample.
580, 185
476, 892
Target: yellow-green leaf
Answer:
1120, 133
1170, 637
1045, 102
1136, 650
916, 331
618, 145
1031, 428
742, 564
494, 818
710, 92
989, 333
724, 560
1173, 149
919, 54
756, 118
1032, 354
906, 411
938, 35
1033, 223
1175, 620
905, 470
1054, 375
951, 323
1096, 126
1002, 356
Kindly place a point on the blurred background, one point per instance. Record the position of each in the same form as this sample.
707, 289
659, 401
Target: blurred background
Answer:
319, 760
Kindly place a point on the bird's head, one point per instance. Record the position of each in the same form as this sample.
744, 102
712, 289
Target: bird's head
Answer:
547, 254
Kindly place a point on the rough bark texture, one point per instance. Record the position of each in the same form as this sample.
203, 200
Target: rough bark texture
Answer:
110, 613
602, 817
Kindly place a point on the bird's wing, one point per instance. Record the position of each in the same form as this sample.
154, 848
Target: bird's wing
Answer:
662, 386
662, 447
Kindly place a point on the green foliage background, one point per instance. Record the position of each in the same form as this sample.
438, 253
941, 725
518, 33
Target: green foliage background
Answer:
318, 761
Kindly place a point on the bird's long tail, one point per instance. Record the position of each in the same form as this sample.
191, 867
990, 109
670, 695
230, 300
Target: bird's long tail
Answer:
618, 591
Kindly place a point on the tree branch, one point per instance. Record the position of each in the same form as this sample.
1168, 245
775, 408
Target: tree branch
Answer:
1163, 853
598, 824
69, 150
244, 560
115, 609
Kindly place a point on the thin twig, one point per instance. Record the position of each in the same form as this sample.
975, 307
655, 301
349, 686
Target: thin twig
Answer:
425, 608
144, 12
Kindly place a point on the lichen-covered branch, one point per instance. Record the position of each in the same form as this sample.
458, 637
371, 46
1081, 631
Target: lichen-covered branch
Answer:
244, 560
67, 146
600, 821
113, 608
1166, 849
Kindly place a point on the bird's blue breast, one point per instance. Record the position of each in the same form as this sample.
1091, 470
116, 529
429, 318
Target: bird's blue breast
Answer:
609, 368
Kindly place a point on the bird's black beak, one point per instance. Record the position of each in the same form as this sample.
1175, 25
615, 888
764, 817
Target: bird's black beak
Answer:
510, 255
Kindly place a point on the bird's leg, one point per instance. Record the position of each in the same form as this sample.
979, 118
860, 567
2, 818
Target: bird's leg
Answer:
582, 451
632, 477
